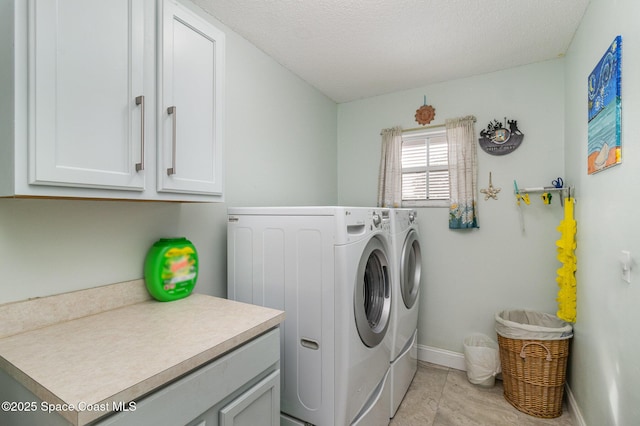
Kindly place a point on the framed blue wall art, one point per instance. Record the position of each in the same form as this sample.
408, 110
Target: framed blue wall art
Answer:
605, 110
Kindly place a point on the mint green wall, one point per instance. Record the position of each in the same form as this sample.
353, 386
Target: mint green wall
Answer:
470, 275
504, 268
605, 371
280, 149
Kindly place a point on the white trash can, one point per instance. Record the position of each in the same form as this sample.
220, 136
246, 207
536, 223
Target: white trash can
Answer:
482, 359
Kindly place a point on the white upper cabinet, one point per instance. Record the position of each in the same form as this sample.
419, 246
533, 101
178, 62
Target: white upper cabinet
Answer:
118, 99
87, 72
190, 97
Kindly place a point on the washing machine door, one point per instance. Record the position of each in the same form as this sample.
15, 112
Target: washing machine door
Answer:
410, 269
372, 298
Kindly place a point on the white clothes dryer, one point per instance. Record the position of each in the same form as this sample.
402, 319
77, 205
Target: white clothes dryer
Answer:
330, 270
407, 258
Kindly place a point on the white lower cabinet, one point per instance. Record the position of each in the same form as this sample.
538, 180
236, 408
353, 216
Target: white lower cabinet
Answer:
241, 388
120, 100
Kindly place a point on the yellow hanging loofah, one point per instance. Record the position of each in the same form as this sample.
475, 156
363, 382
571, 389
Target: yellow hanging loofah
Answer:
566, 274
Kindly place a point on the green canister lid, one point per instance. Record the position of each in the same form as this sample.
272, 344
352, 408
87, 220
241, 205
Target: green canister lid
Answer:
171, 269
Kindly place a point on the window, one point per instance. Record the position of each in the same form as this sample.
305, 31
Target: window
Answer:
425, 168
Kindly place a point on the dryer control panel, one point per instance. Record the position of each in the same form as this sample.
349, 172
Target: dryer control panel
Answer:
361, 222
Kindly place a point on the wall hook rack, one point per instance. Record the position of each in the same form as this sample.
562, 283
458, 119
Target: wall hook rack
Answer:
565, 191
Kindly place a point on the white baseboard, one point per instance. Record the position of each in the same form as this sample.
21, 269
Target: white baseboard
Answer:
441, 357
576, 415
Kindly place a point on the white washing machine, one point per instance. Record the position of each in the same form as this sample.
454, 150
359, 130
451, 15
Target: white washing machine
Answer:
330, 270
407, 263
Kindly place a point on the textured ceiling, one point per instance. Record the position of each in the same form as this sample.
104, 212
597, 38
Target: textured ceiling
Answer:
352, 49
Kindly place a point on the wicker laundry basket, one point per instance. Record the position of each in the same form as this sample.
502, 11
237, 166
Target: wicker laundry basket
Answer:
534, 348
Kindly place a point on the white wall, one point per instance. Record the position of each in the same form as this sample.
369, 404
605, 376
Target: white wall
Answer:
280, 149
604, 367
470, 275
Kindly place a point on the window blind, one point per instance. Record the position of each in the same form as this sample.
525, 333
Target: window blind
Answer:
425, 167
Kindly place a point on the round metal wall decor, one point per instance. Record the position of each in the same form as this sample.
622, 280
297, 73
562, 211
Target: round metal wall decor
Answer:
496, 139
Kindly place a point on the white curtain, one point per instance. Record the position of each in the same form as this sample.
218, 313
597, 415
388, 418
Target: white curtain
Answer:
390, 177
463, 172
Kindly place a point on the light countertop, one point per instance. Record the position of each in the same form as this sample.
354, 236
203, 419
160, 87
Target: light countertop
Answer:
123, 353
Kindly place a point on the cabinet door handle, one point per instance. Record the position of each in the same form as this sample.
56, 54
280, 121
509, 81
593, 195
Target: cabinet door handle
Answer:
173, 112
140, 101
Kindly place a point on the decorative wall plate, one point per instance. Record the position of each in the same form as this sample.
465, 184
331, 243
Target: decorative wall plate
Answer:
496, 139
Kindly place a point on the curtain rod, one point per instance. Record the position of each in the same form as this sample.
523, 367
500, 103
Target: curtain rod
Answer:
433, 126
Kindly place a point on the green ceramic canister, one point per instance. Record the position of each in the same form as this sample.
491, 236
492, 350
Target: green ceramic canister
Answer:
171, 269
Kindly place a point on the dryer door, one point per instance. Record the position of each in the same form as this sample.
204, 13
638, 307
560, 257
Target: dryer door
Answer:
410, 269
372, 299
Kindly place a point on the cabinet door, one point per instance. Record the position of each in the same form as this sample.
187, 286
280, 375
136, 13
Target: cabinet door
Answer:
190, 123
259, 405
85, 73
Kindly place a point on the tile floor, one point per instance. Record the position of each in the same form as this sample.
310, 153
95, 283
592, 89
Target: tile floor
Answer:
441, 396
